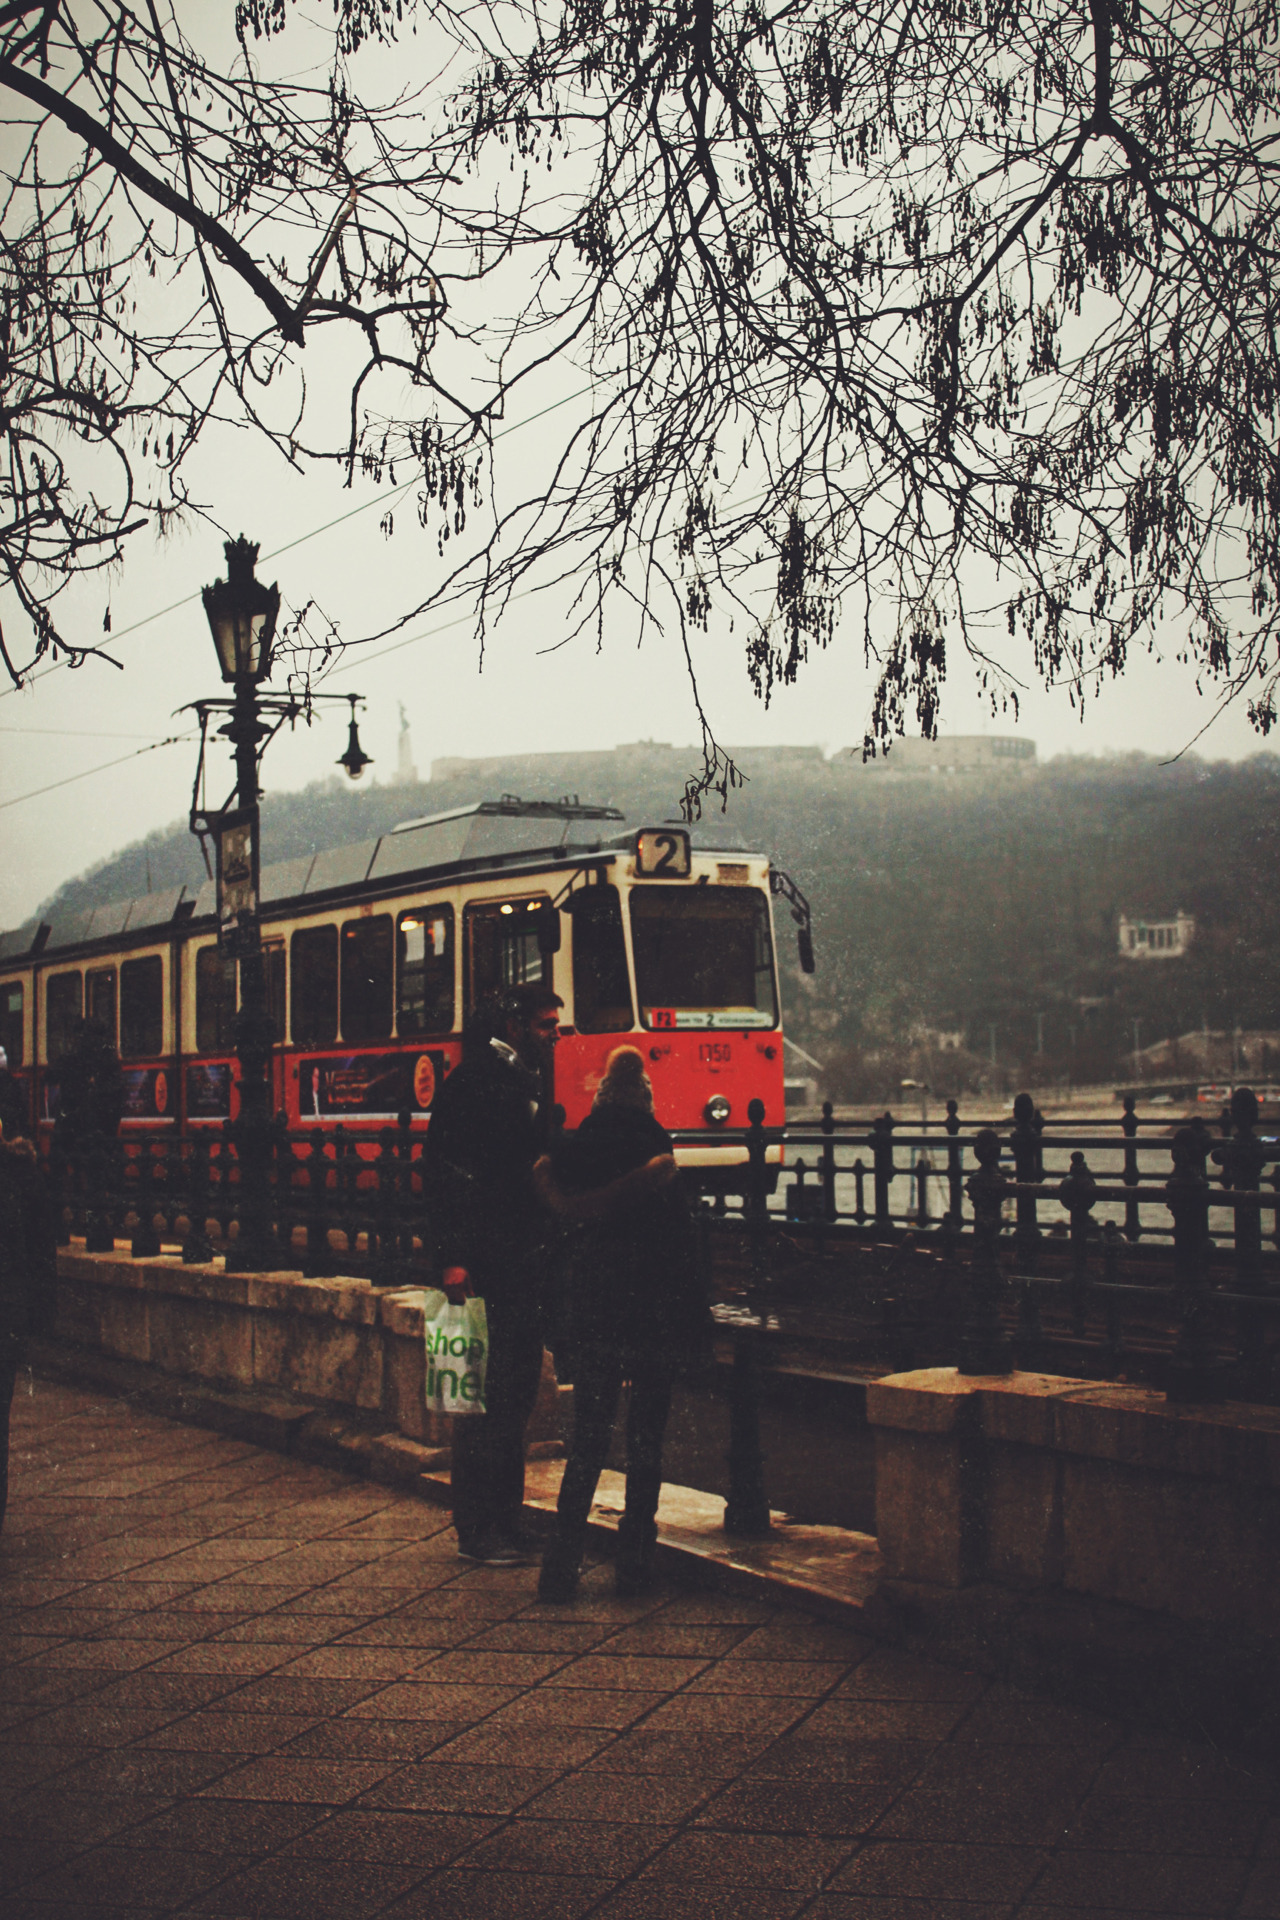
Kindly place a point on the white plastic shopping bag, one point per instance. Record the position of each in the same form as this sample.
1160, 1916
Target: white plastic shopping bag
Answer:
457, 1339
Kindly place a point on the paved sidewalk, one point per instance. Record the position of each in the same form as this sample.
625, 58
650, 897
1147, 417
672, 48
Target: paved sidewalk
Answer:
238, 1685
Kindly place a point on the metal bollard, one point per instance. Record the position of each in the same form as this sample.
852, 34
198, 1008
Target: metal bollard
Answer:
99, 1235
1079, 1193
1242, 1158
955, 1163
746, 1512
1130, 1177
385, 1271
196, 1249
146, 1241
985, 1347
882, 1161
828, 1163
316, 1263
1193, 1373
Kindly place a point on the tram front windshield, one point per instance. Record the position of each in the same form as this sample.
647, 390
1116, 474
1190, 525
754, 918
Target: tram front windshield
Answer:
703, 957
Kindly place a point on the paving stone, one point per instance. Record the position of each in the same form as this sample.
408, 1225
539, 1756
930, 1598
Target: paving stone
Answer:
551, 1706
299, 1778
664, 1900
802, 1861
437, 1788
529, 1845
640, 1799
803, 1678
122, 1879
295, 1889
465, 1894
422, 1840
554, 1747
769, 1806
1143, 1882
925, 1871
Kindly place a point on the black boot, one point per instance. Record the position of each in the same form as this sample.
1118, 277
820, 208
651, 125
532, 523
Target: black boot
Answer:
633, 1567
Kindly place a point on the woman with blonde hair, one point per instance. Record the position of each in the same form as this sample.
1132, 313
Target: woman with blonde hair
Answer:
633, 1310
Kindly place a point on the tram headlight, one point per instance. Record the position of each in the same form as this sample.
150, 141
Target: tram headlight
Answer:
716, 1111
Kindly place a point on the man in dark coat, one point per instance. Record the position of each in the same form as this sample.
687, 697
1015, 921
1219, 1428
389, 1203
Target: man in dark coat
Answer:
90, 1088
28, 1271
491, 1119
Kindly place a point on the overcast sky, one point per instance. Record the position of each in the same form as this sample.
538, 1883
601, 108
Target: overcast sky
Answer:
535, 692
62, 809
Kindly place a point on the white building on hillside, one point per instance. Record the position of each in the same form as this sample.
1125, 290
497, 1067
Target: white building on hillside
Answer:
1156, 939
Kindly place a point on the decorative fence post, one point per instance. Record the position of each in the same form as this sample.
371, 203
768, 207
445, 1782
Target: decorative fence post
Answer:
985, 1346
882, 1158
924, 1167
99, 1236
146, 1241
1242, 1158
387, 1167
1129, 1125
955, 1164
1078, 1193
746, 1511
828, 1162
316, 1264
1028, 1158
196, 1250
1193, 1375
404, 1196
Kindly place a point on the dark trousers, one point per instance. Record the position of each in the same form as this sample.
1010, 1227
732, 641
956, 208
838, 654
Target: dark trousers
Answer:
597, 1383
488, 1448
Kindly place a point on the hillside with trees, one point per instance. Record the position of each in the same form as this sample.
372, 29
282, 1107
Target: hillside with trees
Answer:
944, 906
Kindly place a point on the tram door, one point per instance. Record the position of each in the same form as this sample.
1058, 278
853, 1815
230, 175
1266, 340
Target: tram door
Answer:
501, 948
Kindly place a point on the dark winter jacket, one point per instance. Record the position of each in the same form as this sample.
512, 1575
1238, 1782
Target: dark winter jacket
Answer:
90, 1092
487, 1122
28, 1251
631, 1281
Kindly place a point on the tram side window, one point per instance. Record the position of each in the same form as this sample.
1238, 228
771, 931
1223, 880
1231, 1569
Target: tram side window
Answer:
12, 1030
366, 979
424, 974
100, 1000
601, 988
142, 1007
273, 964
502, 949
64, 1005
215, 1001
313, 968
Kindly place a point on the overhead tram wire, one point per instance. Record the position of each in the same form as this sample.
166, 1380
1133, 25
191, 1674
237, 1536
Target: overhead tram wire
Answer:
378, 500
410, 640
173, 740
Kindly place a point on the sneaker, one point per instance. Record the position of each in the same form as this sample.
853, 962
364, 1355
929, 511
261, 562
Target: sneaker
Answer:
490, 1550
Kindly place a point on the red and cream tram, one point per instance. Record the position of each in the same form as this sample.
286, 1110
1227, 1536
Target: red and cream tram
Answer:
374, 952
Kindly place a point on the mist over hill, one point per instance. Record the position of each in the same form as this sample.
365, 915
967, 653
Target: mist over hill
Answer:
945, 905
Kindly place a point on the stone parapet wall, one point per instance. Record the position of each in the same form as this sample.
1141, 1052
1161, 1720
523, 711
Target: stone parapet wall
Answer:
340, 1341
1036, 1484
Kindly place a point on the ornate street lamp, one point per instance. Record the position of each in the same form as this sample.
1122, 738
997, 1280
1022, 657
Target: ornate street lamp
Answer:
242, 615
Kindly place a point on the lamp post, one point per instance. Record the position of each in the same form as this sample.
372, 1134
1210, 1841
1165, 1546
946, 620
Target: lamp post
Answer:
242, 615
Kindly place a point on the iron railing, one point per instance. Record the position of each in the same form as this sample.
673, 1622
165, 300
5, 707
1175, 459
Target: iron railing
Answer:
1129, 1240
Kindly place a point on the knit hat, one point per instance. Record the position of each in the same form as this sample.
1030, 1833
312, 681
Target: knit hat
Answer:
625, 1082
